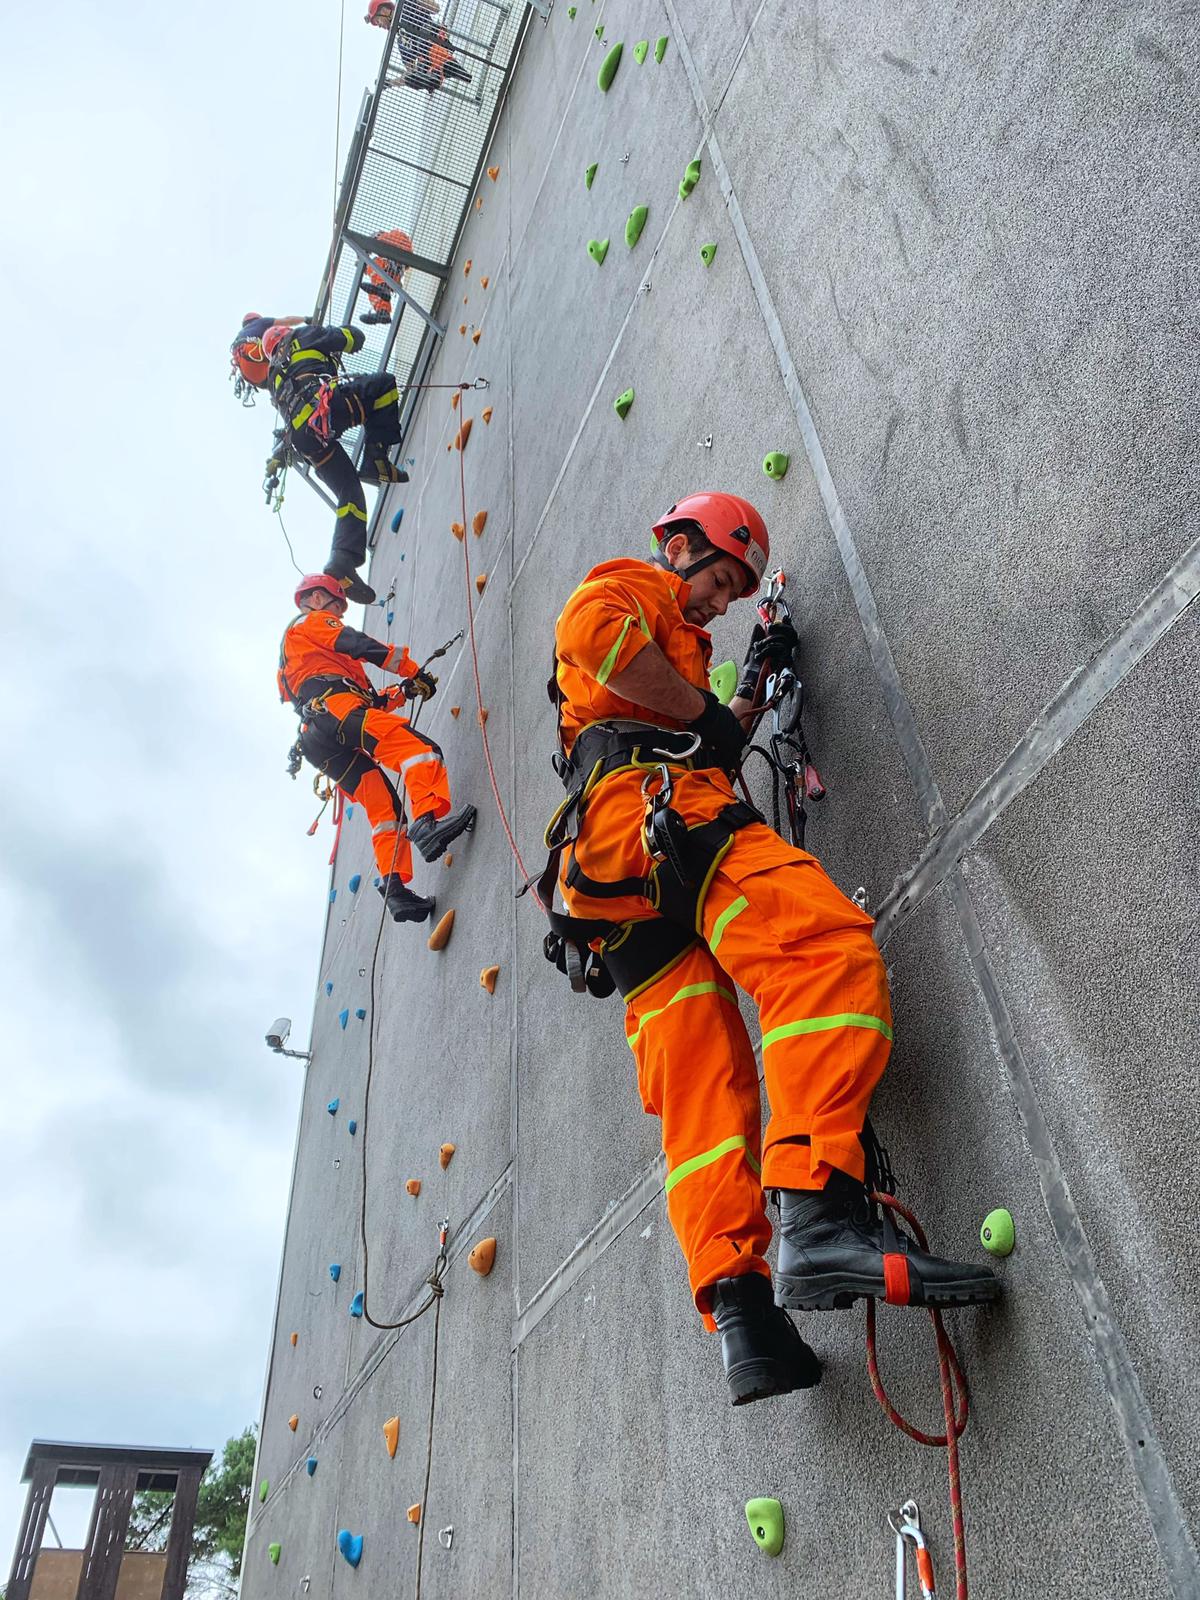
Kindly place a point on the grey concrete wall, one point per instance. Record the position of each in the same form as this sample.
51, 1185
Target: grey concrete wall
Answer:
956, 281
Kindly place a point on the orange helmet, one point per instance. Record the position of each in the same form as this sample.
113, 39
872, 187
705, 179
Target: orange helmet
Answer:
373, 10
250, 361
730, 524
322, 581
274, 337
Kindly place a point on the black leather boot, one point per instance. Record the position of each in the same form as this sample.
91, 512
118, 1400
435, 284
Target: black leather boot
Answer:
355, 590
761, 1346
834, 1248
403, 903
431, 836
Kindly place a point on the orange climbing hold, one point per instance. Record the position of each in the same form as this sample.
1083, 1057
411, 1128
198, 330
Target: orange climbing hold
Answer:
488, 978
440, 937
483, 715
483, 283
478, 523
464, 433
486, 414
467, 268
391, 1432
480, 582
479, 202
493, 173
414, 1512
483, 1258
413, 1187
448, 859
476, 336
457, 529
294, 1421
462, 328
295, 1340
445, 1156
456, 712
454, 399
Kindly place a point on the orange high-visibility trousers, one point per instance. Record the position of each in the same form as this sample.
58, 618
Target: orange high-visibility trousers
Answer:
777, 927
389, 741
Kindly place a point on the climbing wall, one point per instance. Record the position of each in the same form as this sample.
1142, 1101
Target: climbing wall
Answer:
933, 258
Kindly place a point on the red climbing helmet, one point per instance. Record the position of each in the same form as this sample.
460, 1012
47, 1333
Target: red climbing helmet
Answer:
730, 524
373, 10
322, 581
251, 316
274, 337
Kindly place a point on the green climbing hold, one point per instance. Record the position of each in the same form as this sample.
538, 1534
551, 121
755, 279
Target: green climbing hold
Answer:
998, 1235
599, 30
690, 179
776, 464
273, 1551
571, 12
637, 221
590, 174
264, 1490
707, 252
608, 67
766, 1525
660, 49
622, 404
641, 50
597, 249
722, 681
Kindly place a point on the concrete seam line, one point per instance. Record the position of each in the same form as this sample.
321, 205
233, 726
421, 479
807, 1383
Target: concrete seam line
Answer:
386, 1342
1133, 1415
1062, 717
640, 1193
933, 812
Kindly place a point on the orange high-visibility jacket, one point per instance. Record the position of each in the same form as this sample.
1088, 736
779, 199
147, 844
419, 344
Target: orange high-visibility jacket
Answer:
318, 645
619, 608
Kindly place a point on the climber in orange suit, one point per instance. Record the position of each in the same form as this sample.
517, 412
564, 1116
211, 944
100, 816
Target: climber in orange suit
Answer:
379, 291
636, 722
351, 732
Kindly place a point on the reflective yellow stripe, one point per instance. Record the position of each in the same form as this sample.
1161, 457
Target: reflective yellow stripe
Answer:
685, 1169
351, 511
348, 335
690, 991
844, 1019
385, 827
724, 920
610, 660
306, 355
302, 416
386, 399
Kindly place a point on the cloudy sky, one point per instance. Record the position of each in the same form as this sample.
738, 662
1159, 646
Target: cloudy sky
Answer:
168, 168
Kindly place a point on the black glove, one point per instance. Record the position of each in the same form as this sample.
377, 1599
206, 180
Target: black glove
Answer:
721, 732
773, 647
421, 685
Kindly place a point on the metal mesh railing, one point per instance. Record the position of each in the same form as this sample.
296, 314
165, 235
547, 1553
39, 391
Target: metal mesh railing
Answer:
414, 165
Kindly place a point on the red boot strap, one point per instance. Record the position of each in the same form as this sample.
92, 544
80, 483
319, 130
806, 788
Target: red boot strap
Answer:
896, 1283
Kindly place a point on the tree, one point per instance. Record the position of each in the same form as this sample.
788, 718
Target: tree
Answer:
220, 1532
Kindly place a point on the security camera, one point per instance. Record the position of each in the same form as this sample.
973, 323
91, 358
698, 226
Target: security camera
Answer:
277, 1033
277, 1038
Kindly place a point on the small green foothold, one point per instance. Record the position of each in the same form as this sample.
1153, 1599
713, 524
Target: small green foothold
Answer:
641, 50
660, 49
637, 221
600, 30
707, 252
608, 67
722, 681
766, 1525
775, 465
273, 1551
571, 12
590, 174
690, 179
622, 404
597, 249
998, 1235
264, 1490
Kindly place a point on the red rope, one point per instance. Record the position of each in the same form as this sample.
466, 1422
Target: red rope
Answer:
487, 749
955, 1402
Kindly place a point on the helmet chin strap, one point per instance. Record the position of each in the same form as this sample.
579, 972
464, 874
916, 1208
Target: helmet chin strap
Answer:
688, 573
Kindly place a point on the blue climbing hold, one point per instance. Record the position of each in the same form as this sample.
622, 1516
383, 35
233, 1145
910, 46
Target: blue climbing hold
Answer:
349, 812
310, 1466
335, 1271
332, 896
353, 1126
329, 986
361, 1014
391, 618
343, 1017
333, 1105
350, 1544
356, 1305
355, 881
397, 520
